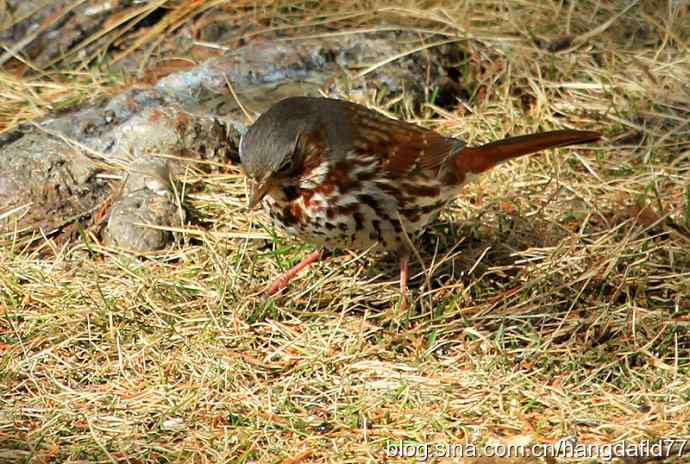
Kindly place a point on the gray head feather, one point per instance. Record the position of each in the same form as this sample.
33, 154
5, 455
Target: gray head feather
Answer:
274, 135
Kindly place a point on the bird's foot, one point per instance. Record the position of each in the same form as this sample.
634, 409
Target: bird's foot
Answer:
404, 276
283, 281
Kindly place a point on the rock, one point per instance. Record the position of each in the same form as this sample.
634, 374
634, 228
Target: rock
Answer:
46, 183
45, 30
64, 168
136, 221
152, 174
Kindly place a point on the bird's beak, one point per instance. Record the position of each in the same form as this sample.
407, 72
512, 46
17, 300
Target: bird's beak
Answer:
257, 191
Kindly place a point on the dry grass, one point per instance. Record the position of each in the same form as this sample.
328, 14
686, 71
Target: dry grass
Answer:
558, 293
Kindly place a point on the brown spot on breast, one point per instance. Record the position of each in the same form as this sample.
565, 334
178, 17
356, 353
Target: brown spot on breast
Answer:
306, 196
296, 210
326, 188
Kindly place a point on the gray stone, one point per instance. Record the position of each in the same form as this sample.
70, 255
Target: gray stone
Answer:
67, 167
137, 221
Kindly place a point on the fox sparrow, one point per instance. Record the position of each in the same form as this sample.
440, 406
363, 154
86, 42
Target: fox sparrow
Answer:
339, 175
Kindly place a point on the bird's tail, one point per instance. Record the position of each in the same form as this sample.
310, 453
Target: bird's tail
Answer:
480, 159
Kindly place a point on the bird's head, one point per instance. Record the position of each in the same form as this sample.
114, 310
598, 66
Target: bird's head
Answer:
274, 148
269, 150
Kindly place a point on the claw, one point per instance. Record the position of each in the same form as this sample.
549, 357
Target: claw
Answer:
283, 281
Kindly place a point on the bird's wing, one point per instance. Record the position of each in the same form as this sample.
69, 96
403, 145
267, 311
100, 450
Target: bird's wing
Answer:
402, 147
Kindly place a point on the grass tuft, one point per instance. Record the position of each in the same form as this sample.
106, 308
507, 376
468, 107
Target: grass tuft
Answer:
555, 301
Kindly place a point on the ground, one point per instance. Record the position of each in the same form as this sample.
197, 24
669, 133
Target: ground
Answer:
552, 300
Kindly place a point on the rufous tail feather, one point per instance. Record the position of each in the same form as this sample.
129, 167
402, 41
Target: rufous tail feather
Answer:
480, 159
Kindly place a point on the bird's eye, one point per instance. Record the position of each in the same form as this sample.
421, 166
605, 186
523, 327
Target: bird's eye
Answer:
286, 167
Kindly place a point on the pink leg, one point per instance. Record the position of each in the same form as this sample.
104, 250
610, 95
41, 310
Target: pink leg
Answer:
288, 275
404, 275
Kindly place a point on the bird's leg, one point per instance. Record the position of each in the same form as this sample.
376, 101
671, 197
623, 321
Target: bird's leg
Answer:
404, 276
288, 275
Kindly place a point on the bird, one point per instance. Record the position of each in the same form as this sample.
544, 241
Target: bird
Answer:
339, 175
